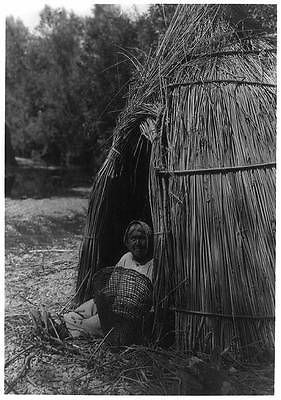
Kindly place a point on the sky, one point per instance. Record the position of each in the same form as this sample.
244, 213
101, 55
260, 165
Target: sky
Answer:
28, 10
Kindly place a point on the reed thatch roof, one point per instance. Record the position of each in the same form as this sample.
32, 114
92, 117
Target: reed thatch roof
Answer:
194, 154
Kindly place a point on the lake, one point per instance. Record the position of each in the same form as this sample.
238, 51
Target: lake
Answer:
35, 180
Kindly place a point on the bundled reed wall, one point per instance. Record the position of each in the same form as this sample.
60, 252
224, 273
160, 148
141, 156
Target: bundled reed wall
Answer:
206, 101
213, 193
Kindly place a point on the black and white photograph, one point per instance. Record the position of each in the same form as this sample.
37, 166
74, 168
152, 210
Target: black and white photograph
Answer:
140, 198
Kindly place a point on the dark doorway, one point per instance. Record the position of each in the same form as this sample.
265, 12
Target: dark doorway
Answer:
127, 199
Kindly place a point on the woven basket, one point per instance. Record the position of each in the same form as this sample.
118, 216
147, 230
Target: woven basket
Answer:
122, 297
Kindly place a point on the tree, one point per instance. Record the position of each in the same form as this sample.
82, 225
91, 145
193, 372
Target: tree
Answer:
67, 82
106, 68
264, 14
56, 108
152, 25
17, 41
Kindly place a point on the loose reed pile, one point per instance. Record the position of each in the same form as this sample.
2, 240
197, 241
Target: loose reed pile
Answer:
43, 364
206, 102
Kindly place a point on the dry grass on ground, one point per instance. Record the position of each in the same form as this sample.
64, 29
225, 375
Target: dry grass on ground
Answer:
42, 249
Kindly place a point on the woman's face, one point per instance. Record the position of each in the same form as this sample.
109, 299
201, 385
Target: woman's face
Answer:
137, 243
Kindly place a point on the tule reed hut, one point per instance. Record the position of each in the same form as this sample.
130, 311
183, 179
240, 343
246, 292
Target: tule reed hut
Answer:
193, 154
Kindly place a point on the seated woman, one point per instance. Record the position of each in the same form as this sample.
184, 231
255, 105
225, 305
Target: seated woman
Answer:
138, 240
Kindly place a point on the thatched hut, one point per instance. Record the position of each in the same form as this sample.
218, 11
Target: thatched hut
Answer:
193, 154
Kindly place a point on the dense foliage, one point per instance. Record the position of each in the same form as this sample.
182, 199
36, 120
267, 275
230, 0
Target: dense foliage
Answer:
67, 81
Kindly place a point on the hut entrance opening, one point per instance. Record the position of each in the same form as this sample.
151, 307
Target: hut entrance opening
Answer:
127, 199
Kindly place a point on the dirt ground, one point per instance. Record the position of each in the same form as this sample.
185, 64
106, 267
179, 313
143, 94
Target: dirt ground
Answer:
43, 238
